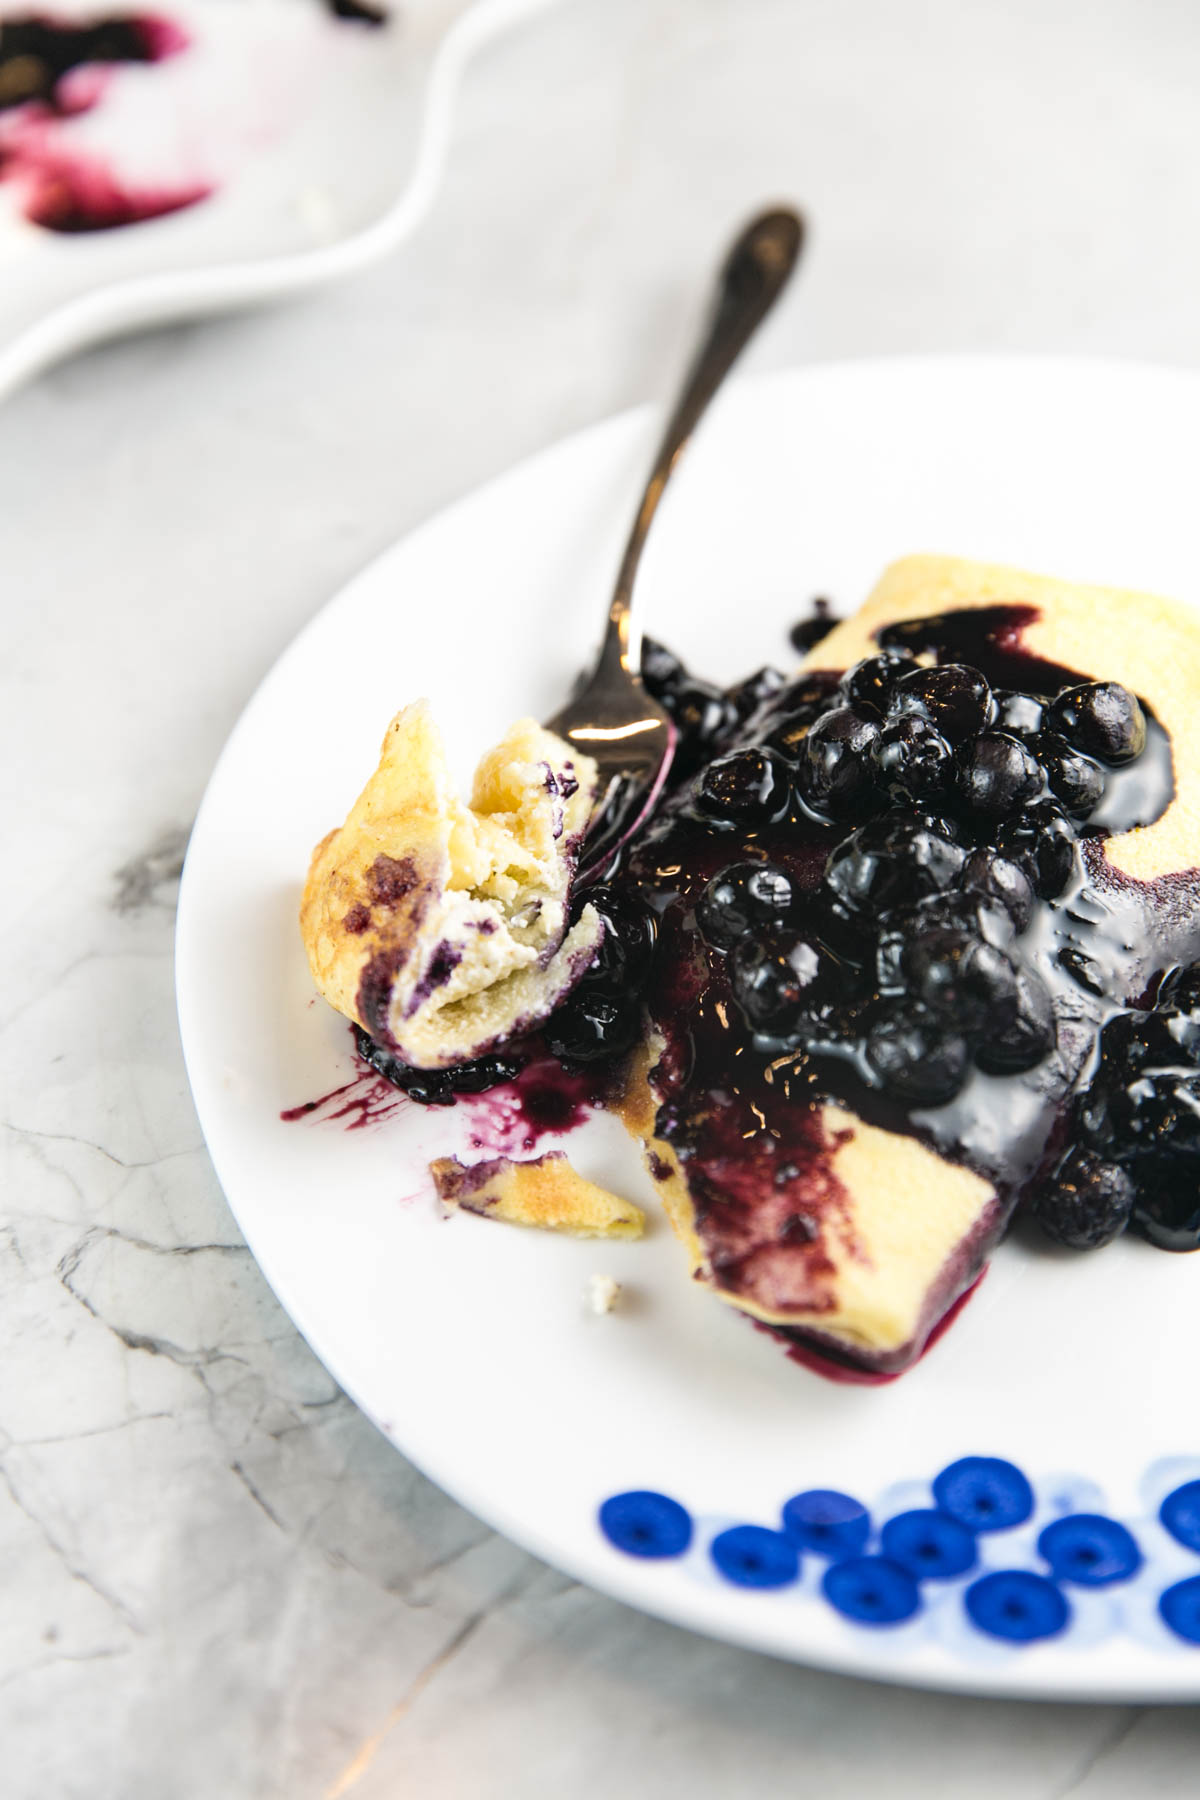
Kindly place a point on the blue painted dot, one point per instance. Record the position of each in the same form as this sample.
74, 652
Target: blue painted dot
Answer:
1016, 1605
930, 1545
755, 1557
871, 1590
984, 1492
1090, 1550
830, 1523
643, 1523
1180, 1513
1180, 1608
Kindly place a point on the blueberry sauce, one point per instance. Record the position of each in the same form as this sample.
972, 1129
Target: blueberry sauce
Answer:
511, 1103
887, 888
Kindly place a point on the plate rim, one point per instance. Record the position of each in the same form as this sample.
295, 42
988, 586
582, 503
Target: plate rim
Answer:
625, 1579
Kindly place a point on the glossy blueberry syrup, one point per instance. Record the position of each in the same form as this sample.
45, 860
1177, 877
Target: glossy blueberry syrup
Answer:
883, 888
740, 1098
540, 1100
52, 69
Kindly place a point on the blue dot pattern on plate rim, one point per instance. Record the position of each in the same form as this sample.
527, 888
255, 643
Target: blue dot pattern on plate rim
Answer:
929, 1543
752, 1556
880, 1571
1090, 1550
1180, 1514
1179, 1607
871, 1590
826, 1521
643, 1523
1017, 1605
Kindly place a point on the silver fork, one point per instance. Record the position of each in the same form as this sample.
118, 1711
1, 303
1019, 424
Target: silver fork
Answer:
613, 718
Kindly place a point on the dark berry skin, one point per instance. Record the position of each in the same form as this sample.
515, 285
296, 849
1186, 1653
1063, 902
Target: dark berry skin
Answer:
999, 882
964, 980
1086, 1202
1181, 989
868, 685
1042, 841
997, 774
745, 787
744, 897
1167, 1209
1019, 713
1101, 718
1029, 1037
953, 697
622, 964
890, 862
915, 1060
661, 668
591, 1027
1075, 780
836, 774
912, 759
794, 710
747, 696
774, 977
703, 715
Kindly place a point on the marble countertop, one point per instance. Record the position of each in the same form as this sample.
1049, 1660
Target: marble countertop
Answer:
219, 1582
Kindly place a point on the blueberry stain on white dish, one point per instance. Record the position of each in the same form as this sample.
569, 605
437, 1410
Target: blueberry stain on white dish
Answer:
53, 69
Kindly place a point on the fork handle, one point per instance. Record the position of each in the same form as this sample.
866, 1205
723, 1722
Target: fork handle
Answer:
753, 276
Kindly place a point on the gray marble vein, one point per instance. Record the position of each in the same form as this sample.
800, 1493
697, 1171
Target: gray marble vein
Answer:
219, 1582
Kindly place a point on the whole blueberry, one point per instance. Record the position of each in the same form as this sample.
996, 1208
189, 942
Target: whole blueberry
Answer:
622, 965
775, 977
1028, 1037
889, 862
592, 1026
915, 1060
999, 882
912, 759
836, 773
963, 979
1161, 1108
869, 683
748, 695
744, 787
954, 697
1075, 780
702, 715
1101, 718
661, 668
1016, 712
1042, 841
794, 709
1086, 1202
1167, 1209
1181, 988
997, 774
742, 898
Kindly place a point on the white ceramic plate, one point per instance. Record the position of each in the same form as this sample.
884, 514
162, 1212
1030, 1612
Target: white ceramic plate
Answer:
470, 1344
317, 140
